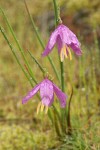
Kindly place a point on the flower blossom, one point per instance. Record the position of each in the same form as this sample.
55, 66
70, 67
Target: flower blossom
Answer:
47, 90
65, 39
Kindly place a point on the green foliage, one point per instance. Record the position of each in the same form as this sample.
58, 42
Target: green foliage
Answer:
83, 73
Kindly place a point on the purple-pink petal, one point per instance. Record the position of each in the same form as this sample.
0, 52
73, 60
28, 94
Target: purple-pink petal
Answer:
51, 43
62, 96
59, 43
47, 101
46, 92
67, 35
31, 93
76, 49
70, 39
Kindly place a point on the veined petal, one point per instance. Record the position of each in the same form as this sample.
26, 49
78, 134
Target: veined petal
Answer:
59, 43
76, 49
68, 36
46, 92
51, 43
47, 101
62, 96
31, 94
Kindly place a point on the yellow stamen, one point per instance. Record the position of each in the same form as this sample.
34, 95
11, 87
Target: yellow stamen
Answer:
63, 53
64, 50
42, 107
46, 109
69, 52
38, 107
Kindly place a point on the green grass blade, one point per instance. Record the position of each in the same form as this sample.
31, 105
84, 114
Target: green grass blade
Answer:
35, 60
18, 45
13, 51
41, 42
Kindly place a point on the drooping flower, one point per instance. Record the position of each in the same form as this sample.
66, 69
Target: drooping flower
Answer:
47, 90
65, 39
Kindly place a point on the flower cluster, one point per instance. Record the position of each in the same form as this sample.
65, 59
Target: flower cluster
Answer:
65, 39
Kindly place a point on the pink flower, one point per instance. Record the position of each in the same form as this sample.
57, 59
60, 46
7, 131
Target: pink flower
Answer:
47, 90
65, 39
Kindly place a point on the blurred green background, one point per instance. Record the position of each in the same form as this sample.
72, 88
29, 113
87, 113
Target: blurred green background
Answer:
20, 127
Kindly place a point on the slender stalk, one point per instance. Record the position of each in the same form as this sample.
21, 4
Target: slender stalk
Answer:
56, 123
57, 13
45, 73
58, 21
13, 51
19, 47
62, 76
41, 42
68, 116
34, 59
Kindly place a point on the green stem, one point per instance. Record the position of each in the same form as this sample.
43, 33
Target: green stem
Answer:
63, 111
58, 21
41, 42
57, 13
62, 76
68, 115
41, 68
13, 51
56, 123
19, 47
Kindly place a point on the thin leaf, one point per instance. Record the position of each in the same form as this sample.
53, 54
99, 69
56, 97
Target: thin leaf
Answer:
68, 116
18, 45
13, 51
41, 42
35, 60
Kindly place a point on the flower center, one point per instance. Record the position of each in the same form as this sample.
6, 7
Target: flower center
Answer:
42, 107
65, 52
